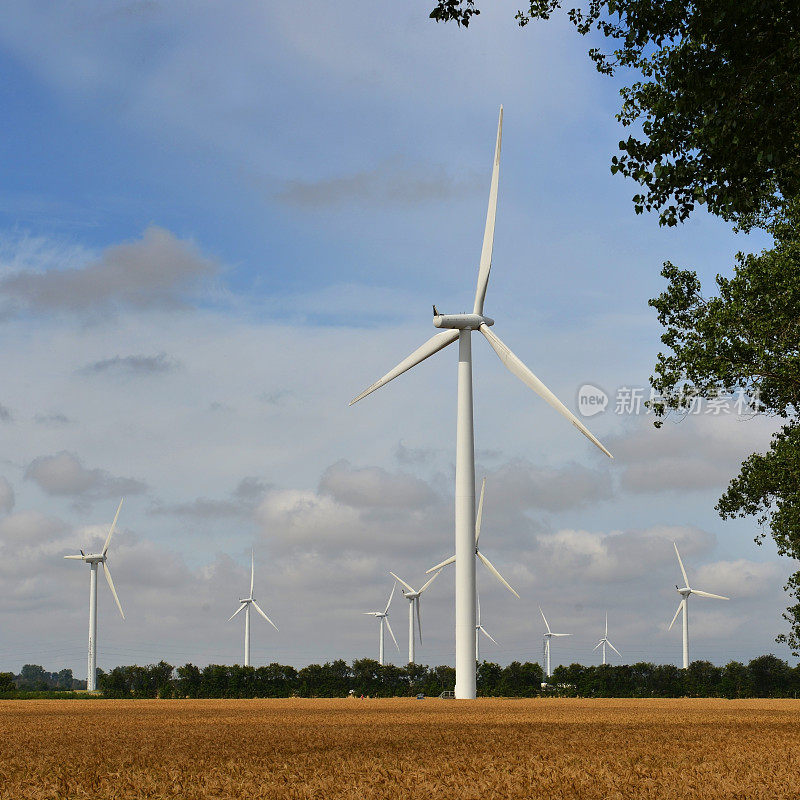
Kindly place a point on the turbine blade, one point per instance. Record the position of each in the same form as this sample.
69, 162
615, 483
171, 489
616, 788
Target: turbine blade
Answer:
479, 515
516, 367
419, 619
614, 648
258, 608
488, 564
487, 634
545, 619
391, 595
236, 612
392, 632
606, 624
596, 646
111, 529
488, 232
478, 601
441, 564
107, 573
680, 607
409, 587
708, 594
429, 582
77, 558
561, 634
252, 571
436, 343
683, 571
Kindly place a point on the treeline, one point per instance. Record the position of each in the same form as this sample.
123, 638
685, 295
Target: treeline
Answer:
332, 679
766, 676
34, 678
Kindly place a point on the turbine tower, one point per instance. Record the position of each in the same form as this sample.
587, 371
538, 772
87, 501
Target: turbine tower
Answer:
93, 560
485, 561
606, 641
245, 604
684, 605
459, 327
412, 595
383, 616
480, 629
548, 635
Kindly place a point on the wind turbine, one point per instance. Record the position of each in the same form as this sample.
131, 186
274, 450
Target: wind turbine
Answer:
547, 637
383, 616
480, 629
245, 604
488, 564
606, 641
684, 605
412, 595
93, 559
460, 327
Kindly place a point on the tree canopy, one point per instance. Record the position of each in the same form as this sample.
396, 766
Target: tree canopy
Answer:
712, 108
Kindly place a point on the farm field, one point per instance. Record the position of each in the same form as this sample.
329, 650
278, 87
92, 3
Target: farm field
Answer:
399, 748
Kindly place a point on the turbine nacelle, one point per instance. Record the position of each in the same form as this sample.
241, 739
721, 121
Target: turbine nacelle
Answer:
462, 322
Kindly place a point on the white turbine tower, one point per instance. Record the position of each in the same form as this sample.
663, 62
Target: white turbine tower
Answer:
480, 629
93, 559
684, 605
548, 635
412, 595
245, 604
606, 641
460, 327
383, 616
485, 561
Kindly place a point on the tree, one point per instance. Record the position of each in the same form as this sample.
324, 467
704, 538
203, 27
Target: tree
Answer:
745, 340
735, 680
769, 676
188, 681
703, 679
7, 682
488, 678
715, 105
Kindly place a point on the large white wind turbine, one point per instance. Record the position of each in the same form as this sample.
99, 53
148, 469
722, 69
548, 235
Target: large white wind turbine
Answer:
485, 561
548, 635
383, 616
93, 559
245, 604
460, 327
412, 595
606, 641
684, 606
480, 629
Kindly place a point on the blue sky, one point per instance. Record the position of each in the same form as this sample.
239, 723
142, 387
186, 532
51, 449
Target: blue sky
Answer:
219, 223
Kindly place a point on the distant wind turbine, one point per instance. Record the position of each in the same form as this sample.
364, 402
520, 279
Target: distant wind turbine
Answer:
547, 637
412, 595
383, 616
246, 602
684, 605
485, 561
606, 641
459, 327
480, 629
93, 560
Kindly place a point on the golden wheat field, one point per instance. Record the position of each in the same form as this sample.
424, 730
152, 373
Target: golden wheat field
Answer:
408, 749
